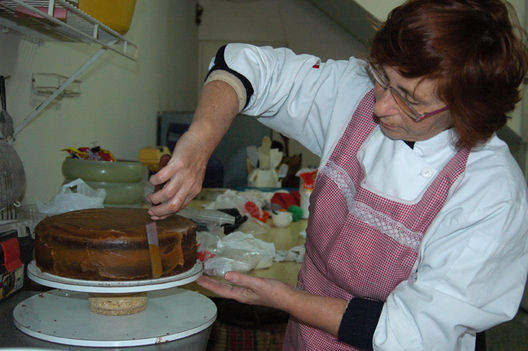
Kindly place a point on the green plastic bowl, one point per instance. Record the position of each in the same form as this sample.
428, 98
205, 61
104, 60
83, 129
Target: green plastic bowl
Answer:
119, 193
103, 171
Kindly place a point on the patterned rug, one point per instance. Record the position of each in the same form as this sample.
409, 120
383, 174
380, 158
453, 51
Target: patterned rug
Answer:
225, 337
241, 327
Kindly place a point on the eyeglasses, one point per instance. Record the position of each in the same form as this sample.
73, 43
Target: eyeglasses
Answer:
405, 106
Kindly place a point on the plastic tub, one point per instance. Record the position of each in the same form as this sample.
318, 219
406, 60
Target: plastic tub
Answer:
116, 14
103, 171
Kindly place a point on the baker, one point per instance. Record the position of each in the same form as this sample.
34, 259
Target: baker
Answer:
417, 235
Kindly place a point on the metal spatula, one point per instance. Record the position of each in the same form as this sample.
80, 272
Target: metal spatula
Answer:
152, 233
6, 122
154, 250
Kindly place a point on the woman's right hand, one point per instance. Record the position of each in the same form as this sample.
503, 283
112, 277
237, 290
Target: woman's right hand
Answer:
183, 175
181, 178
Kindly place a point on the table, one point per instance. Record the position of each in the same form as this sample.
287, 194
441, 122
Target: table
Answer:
241, 321
284, 239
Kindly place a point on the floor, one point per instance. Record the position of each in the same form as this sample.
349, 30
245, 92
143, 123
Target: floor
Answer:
510, 336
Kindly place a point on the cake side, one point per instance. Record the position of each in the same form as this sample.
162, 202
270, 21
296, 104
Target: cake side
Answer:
111, 244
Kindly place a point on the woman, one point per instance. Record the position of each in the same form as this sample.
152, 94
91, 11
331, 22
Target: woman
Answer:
417, 232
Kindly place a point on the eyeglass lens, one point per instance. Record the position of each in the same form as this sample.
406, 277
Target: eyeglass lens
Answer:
379, 78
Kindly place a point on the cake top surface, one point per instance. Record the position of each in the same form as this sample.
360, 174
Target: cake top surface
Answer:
130, 222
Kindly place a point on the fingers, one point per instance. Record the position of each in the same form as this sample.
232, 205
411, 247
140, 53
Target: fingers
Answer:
245, 289
181, 178
161, 211
164, 160
212, 284
176, 203
242, 279
222, 289
177, 193
170, 189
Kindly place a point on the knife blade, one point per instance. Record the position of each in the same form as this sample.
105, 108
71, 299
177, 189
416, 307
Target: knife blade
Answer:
154, 250
152, 232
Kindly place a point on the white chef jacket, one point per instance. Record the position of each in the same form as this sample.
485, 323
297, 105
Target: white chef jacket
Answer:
473, 261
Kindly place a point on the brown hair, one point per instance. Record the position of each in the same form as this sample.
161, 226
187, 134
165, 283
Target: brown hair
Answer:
471, 47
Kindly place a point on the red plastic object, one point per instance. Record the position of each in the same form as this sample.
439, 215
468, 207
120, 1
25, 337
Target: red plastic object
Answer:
204, 255
285, 200
11, 254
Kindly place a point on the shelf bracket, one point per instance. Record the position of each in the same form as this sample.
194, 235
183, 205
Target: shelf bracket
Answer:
59, 90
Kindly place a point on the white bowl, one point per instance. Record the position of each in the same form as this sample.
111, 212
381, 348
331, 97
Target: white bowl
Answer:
281, 218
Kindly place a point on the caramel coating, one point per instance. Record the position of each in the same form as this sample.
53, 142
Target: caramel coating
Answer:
111, 244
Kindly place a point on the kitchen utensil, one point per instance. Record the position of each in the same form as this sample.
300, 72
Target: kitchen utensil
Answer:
207, 216
154, 250
6, 122
150, 156
164, 159
12, 176
152, 233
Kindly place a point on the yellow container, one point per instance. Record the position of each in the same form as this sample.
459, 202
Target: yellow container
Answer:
116, 14
150, 156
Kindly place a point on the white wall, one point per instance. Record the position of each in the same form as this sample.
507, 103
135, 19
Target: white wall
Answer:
380, 9
119, 98
297, 24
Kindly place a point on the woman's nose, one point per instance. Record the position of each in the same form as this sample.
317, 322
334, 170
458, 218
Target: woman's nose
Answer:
385, 104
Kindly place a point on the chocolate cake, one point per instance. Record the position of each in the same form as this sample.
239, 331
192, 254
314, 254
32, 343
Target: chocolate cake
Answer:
111, 244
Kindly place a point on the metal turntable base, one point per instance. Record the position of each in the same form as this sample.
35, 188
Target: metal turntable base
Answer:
64, 316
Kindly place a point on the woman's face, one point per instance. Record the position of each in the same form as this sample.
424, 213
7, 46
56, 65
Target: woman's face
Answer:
421, 94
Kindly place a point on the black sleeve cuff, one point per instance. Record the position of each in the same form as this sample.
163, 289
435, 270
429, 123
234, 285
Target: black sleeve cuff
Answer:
220, 64
359, 323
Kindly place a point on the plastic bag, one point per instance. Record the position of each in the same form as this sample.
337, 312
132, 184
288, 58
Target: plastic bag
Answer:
237, 251
67, 200
295, 254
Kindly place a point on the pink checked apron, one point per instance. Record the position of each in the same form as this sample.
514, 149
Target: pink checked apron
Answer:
359, 243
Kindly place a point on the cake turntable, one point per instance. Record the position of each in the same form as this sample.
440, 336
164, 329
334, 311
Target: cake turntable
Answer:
63, 315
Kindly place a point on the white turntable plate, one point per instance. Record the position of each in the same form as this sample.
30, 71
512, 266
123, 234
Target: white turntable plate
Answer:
64, 317
130, 286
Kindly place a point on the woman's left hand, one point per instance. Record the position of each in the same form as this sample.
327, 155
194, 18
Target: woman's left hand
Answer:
322, 312
251, 290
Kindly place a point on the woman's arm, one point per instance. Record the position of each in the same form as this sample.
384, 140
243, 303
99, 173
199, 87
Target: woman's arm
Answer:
184, 174
321, 312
